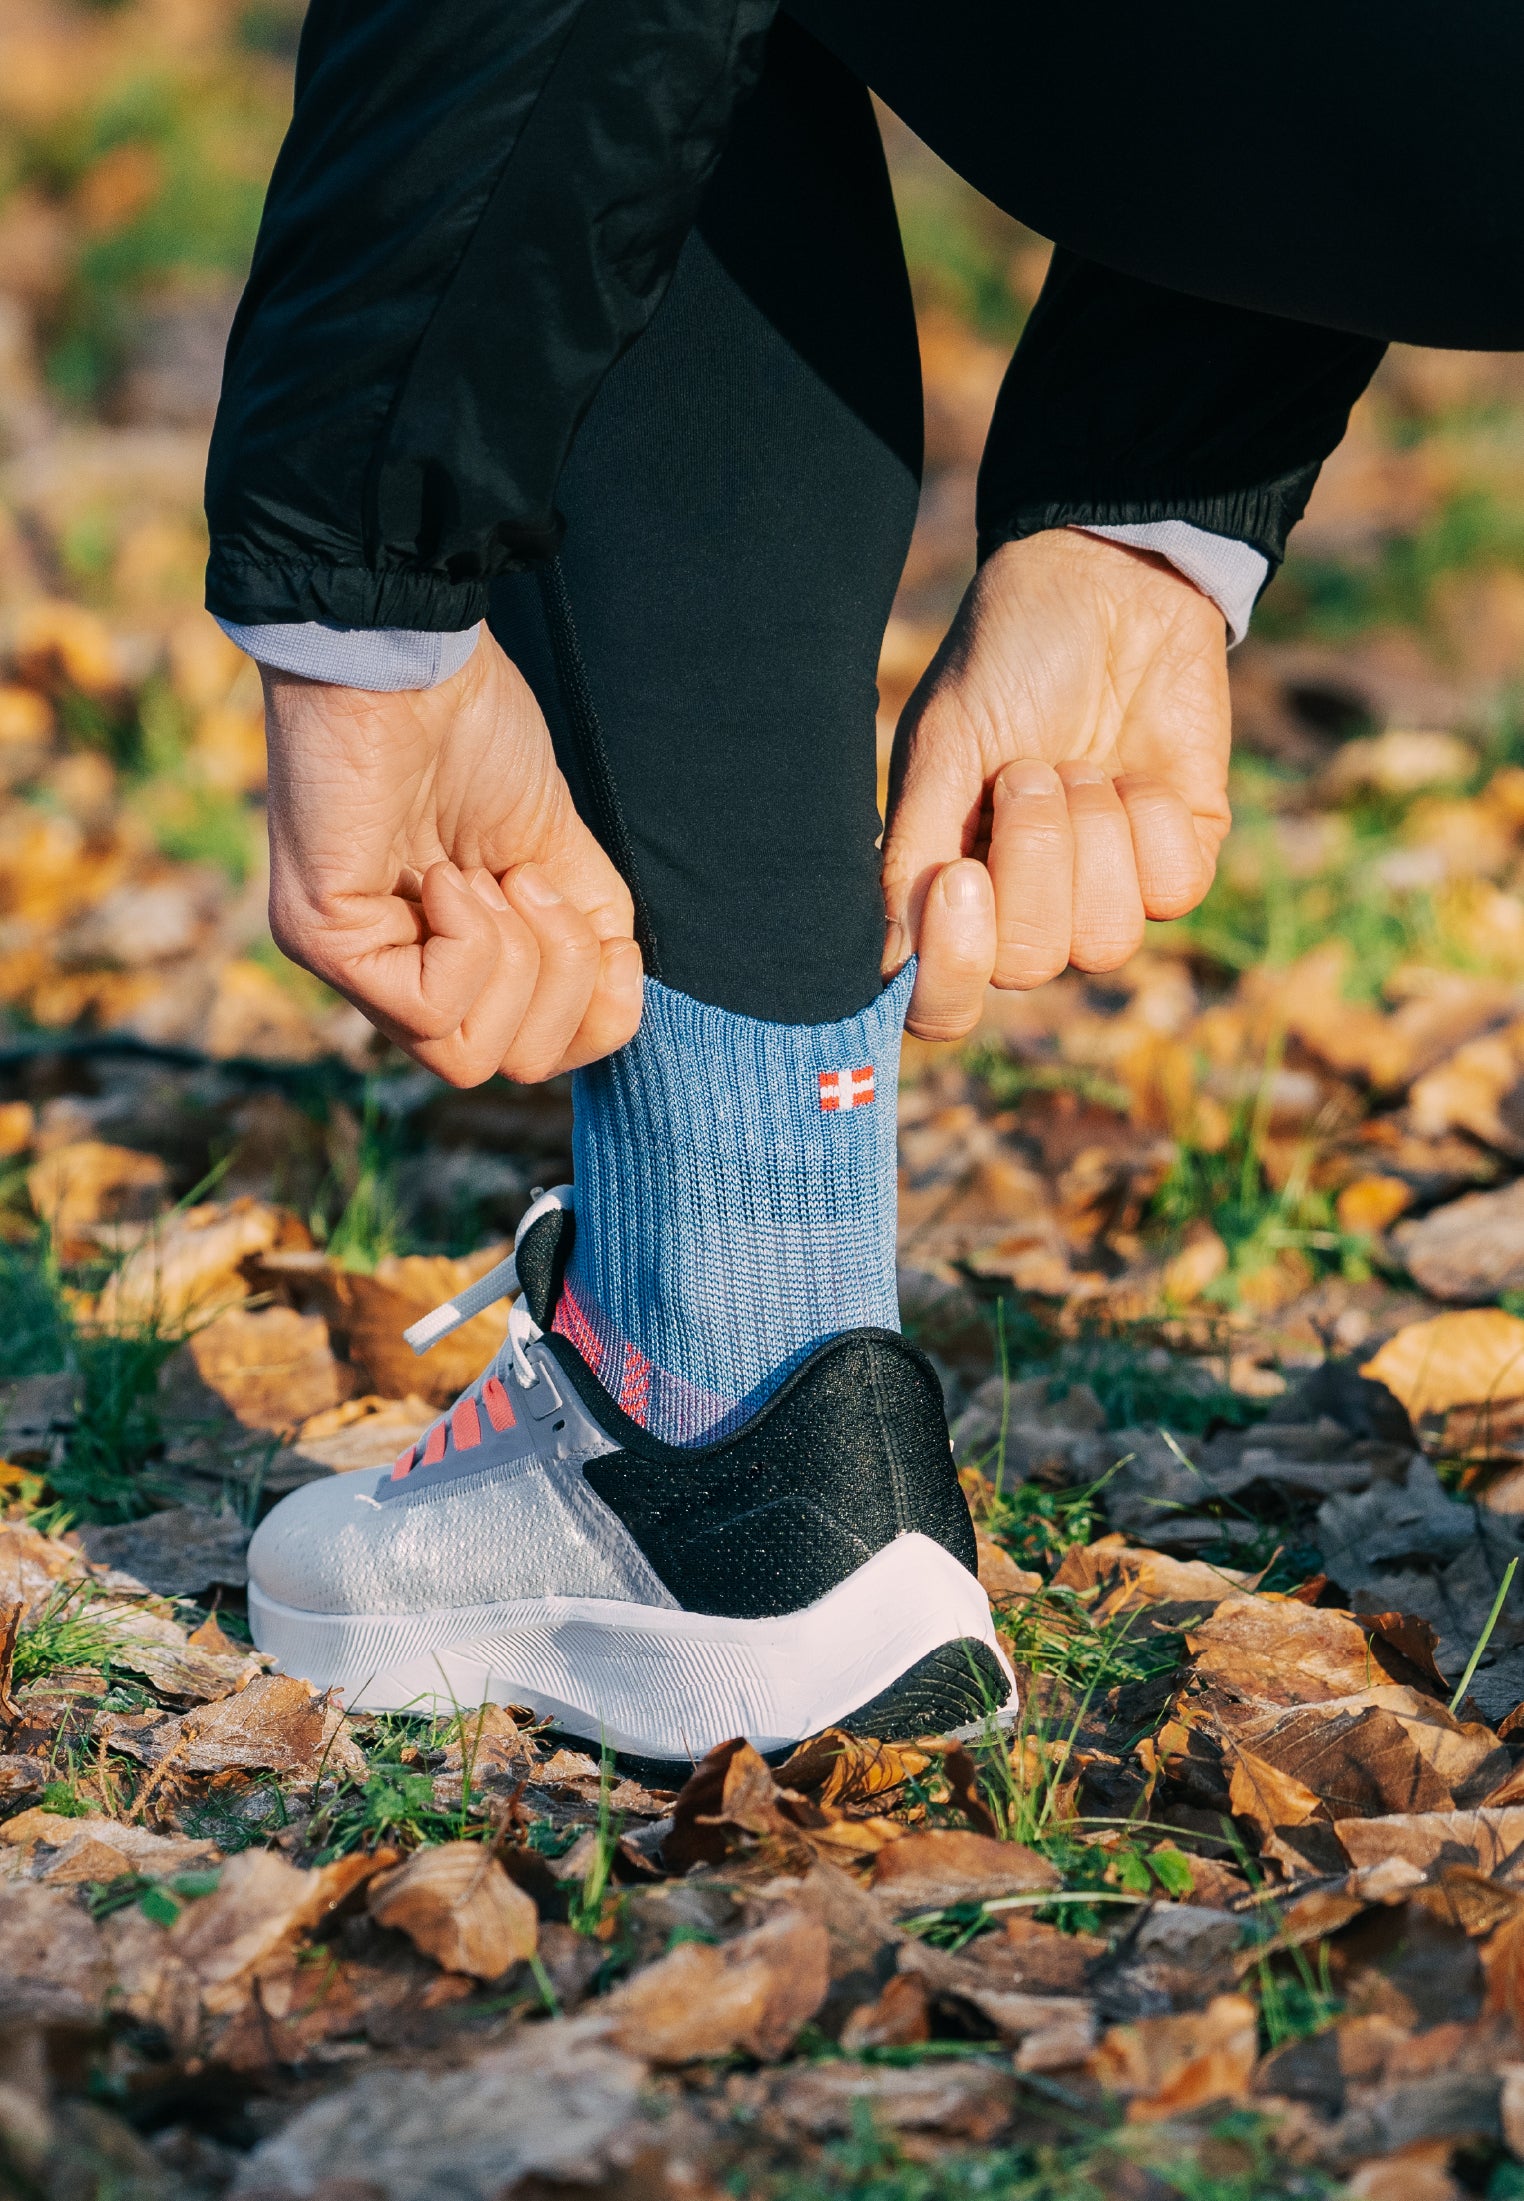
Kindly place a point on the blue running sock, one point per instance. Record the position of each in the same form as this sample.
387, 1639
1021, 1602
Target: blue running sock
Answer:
735, 1187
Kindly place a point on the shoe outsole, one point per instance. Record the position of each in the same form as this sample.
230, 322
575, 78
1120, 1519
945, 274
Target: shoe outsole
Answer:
905, 1645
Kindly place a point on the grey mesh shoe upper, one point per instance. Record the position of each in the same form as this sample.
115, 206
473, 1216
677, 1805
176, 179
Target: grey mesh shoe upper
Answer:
491, 1507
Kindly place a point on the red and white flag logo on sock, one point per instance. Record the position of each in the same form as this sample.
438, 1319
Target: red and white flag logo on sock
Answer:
846, 1088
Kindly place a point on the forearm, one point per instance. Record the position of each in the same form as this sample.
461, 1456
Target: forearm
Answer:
476, 209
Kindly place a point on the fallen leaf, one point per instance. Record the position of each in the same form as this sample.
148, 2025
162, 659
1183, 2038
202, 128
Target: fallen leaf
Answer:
1458, 1359
1131, 1577
1166, 2066
379, 1307
926, 1872
1273, 1650
33, 1565
88, 1182
489, 1741
53, 1965
1490, 1842
730, 1794
275, 1723
272, 1368
755, 1993
897, 2016
96, 1848
364, 1432
456, 1904
966, 2101
1471, 1249
1002, 1581
176, 1553
1053, 2032
850, 1772
260, 1904
188, 1267
1371, 1205
550, 2103
1267, 1796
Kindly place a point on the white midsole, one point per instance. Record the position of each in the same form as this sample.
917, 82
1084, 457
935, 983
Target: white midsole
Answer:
659, 1682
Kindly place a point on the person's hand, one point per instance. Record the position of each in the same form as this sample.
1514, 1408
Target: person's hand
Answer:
426, 860
1059, 774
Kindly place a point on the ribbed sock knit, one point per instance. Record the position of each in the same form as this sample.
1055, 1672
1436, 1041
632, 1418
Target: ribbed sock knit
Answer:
735, 1187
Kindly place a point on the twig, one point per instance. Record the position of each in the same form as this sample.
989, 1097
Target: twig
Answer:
1485, 1637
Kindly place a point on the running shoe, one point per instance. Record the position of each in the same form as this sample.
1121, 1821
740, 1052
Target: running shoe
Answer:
537, 1546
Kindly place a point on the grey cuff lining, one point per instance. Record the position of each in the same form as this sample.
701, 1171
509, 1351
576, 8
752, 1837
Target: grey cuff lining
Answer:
385, 660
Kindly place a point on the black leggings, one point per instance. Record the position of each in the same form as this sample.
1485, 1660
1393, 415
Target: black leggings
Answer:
740, 497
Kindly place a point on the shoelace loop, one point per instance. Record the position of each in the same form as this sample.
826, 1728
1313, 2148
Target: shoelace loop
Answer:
497, 1284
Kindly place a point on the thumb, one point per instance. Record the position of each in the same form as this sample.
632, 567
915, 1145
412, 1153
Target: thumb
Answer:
957, 952
934, 812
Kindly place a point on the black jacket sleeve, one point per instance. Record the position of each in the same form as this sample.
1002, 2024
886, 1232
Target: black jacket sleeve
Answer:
1127, 403
477, 208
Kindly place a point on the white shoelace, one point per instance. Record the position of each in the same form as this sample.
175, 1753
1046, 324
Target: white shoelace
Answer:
498, 1283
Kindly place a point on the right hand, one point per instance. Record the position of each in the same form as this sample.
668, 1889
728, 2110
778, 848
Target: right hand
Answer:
426, 861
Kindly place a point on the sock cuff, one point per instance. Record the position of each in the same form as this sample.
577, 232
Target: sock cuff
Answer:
754, 1095
735, 1200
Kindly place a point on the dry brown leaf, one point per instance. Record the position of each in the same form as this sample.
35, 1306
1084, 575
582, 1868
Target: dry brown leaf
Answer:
1468, 1092
1463, 1359
1503, 1958
1002, 1581
898, 2016
273, 1368
1371, 1205
1273, 1650
379, 1307
1470, 1249
1131, 1577
33, 1565
177, 1553
753, 1993
1471, 1900
101, 1849
850, 1771
88, 1182
211, 1636
53, 1963
1269, 1797
456, 1904
1490, 1842
489, 1741
732, 1793
1169, 2065
926, 1872
260, 1903
189, 1268
275, 1724
1053, 2032
363, 1432
1385, 1750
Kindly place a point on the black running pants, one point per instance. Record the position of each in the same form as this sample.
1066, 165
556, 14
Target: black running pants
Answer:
1248, 204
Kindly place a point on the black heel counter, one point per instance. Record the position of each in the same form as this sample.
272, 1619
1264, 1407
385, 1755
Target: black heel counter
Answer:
851, 1452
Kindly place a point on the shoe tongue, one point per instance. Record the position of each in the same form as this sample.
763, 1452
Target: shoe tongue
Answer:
541, 1262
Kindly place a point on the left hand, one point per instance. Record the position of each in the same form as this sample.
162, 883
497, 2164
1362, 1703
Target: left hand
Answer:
1059, 774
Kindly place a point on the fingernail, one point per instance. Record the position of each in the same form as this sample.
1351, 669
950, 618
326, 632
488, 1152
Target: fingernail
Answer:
486, 889
896, 947
1027, 778
1083, 775
962, 886
532, 883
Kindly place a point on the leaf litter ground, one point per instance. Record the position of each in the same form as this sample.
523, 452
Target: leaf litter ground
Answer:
1219, 1257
